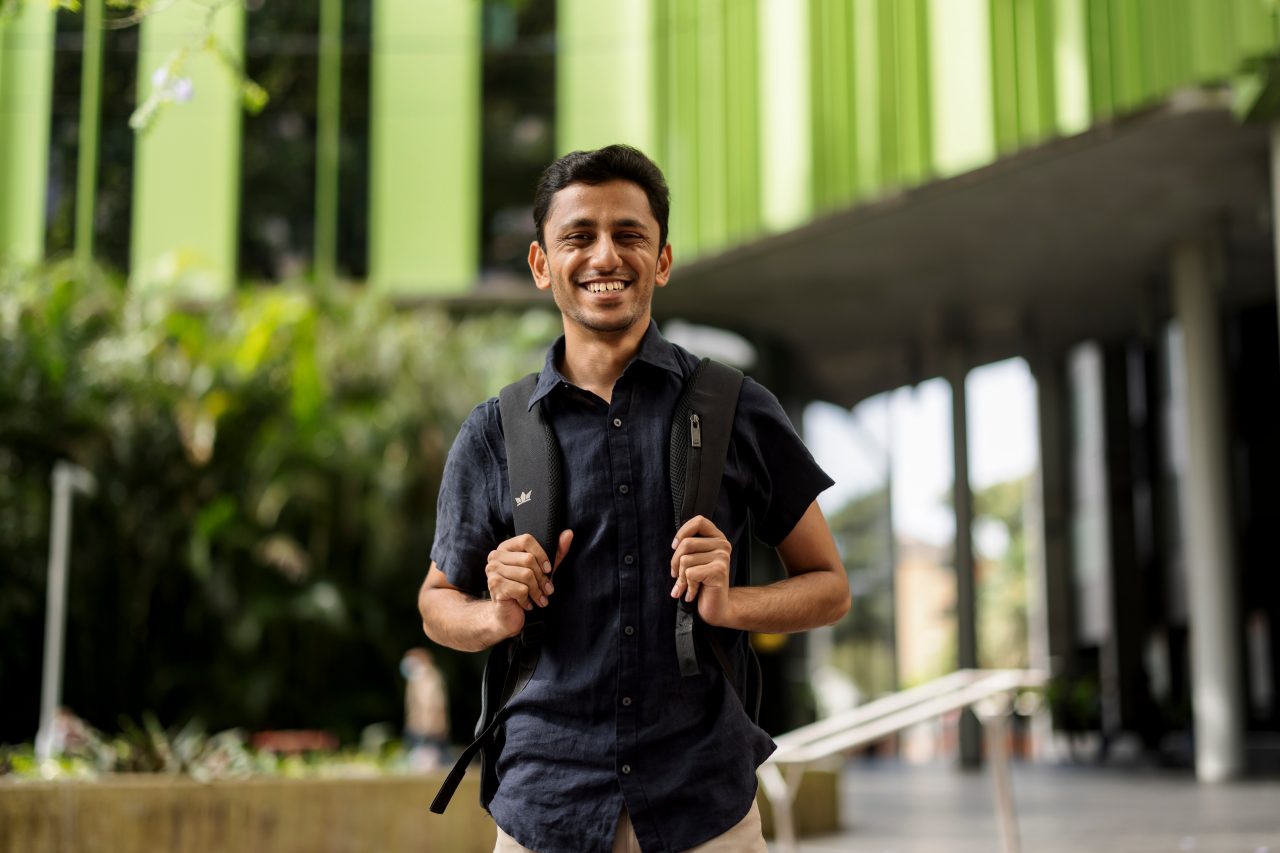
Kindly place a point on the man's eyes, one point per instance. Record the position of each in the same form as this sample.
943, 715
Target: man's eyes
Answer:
625, 237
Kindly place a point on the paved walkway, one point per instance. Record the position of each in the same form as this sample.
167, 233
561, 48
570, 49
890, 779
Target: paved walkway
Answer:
893, 808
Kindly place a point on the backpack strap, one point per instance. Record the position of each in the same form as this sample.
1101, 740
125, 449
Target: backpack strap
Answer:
536, 477
700, 431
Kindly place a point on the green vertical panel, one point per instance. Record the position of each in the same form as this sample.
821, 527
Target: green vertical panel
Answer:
1127, 54
1101, 72
865, 56
26, 81
913, 76
683, 140
186, 174
819, 177
841, 110
1004, 72
1046, 84
1156, 33
88, 133
661, 80
890, 86
712, 136
960, 65
1071, 66
424, 188
589, 111
1027, 54
784, 113
742, 99
737, 144
1208, 35
1254, 30
1177, 52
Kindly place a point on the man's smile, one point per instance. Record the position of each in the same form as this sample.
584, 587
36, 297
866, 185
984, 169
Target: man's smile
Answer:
605, 286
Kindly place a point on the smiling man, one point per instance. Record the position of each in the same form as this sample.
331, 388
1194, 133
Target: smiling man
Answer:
609, 747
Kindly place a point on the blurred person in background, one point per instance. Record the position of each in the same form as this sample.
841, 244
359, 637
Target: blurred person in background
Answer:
426, 714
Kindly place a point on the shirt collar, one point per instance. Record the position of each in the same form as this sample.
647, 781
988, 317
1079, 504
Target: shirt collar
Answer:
654, 349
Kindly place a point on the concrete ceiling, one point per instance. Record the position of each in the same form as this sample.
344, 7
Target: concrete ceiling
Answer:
1045, 248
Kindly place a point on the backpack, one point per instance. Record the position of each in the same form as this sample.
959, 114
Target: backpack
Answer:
700, 429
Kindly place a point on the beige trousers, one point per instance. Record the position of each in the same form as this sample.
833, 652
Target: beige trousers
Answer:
743, 837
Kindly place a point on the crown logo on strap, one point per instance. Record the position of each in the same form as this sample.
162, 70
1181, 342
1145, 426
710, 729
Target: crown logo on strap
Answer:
524, 497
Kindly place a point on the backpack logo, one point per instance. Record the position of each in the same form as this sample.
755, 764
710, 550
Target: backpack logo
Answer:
524, 497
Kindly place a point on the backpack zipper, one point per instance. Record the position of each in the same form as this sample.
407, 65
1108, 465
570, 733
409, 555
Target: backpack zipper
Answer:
693, 465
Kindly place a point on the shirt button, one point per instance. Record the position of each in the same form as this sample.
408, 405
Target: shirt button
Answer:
617, 422
626, 700
628, 630
626, 769
628, 559
623, 488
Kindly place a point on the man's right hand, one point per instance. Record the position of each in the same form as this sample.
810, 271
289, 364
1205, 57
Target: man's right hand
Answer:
519, 577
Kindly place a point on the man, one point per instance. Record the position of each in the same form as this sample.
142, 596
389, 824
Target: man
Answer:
609, 747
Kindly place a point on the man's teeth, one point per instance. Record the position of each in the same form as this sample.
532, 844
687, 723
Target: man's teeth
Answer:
605, 286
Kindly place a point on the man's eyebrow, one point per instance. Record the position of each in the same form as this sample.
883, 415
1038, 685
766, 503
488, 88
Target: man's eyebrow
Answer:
588, 222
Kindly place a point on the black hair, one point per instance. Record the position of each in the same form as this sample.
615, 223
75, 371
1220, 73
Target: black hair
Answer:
611, 163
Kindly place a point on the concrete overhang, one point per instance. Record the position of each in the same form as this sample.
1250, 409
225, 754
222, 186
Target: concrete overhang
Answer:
1065, 242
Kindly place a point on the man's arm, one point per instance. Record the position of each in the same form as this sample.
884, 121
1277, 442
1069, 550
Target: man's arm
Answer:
460, 621
518, 574
815, 591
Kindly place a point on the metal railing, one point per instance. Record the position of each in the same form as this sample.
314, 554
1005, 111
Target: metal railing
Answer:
987, 692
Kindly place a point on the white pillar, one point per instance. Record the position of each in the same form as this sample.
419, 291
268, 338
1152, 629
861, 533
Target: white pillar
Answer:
1216, 686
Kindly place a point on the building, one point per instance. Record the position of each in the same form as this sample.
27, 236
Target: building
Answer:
873, 192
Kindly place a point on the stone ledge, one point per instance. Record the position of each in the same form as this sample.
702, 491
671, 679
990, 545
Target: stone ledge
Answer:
145, 813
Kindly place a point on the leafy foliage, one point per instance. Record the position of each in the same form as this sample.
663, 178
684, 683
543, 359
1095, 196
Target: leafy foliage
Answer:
267, 470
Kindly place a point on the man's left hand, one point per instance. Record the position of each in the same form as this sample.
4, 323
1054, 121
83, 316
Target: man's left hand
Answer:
700, 566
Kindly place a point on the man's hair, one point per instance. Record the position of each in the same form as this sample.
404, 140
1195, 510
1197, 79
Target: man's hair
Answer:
611, 163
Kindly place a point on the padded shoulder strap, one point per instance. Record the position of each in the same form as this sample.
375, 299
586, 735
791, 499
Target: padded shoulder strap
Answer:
700, 430
533, 465
537, 492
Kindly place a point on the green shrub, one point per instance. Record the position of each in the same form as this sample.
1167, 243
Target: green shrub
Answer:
267, 470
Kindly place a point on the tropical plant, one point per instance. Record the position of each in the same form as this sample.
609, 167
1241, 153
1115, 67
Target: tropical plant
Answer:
267, 469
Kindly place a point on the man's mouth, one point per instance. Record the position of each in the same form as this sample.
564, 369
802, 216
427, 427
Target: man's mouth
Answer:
604, 286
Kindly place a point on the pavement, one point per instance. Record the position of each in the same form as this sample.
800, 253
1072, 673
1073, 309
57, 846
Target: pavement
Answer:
890, 807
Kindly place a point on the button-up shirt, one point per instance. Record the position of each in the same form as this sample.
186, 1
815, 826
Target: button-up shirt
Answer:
607, 720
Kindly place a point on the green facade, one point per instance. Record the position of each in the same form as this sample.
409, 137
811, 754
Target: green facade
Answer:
898, 92
764, 113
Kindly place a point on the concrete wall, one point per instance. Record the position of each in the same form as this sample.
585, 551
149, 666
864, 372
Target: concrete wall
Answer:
145, 813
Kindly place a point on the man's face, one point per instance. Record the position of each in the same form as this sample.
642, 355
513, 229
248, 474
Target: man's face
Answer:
601, 261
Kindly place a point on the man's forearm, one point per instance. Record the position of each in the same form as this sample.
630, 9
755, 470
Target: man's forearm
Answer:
452, 618
798, 603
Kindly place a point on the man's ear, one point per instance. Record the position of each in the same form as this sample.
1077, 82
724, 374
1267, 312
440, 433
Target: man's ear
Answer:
538, 266
663, 272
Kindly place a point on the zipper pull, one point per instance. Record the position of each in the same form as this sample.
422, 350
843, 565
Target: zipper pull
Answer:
695, 430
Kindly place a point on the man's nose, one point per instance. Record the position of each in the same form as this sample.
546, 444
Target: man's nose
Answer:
605, 254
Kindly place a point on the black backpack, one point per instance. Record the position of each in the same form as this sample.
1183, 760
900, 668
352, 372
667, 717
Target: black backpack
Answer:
700, 429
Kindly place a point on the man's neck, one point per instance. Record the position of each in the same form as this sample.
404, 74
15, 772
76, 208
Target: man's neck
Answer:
593, 360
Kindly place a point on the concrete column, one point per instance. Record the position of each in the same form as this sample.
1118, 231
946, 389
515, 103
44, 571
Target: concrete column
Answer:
1217, 695
966, 609
1049, 600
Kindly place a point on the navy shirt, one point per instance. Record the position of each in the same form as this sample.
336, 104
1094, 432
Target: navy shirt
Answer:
607, 719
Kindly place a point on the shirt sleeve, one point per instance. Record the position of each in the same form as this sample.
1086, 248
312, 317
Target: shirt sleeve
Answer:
469, 520
780, 475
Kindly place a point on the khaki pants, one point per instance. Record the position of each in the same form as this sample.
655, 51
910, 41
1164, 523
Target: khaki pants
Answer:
744, 837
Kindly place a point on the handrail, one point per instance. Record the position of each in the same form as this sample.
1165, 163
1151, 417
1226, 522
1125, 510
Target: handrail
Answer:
781, 773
